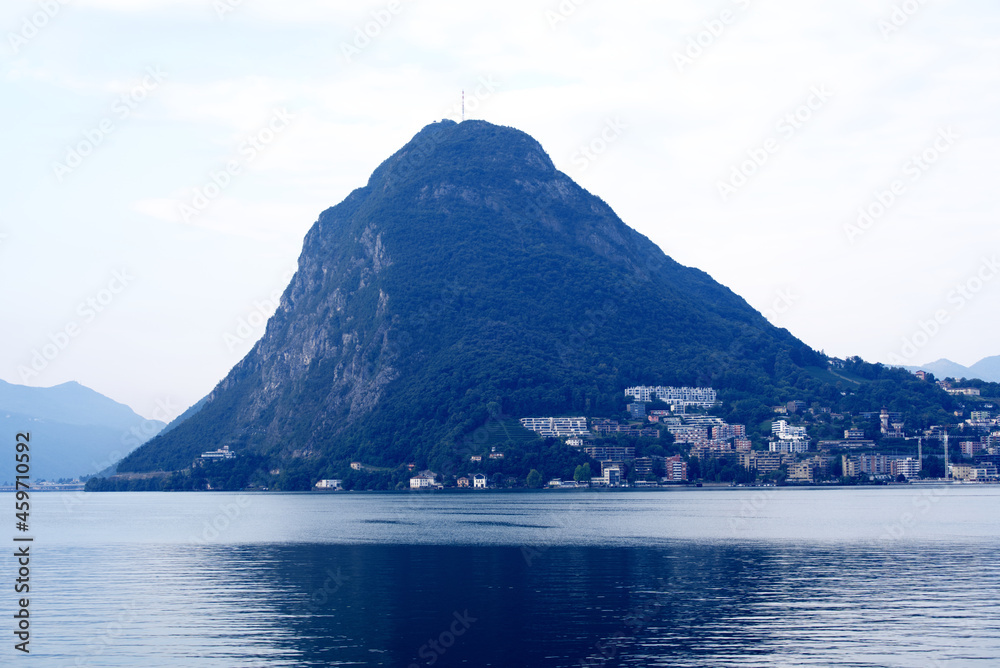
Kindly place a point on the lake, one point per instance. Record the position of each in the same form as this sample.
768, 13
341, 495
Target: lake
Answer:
889, 576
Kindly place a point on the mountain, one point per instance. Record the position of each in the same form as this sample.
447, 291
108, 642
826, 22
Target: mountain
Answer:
467, 284
987, 369
75, 431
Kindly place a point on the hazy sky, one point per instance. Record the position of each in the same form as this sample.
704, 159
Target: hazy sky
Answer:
164, 159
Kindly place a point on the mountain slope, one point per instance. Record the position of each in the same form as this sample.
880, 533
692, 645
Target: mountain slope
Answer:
987, 369
75, 430
470, 279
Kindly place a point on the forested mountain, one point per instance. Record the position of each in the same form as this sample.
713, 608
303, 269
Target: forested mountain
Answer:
470, 282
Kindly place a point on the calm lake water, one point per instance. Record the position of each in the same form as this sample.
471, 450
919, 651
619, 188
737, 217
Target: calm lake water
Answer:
902, 576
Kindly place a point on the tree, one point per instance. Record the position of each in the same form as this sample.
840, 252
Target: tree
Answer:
534, 479
933, 467
582, 473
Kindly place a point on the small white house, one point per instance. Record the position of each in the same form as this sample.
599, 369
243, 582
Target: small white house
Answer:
479, 481
328, 484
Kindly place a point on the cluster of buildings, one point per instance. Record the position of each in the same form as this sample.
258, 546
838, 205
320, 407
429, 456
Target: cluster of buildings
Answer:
955, 391
614, 472
556, 426
561, 427
879, 466
428, 480
492, 455
788, 438
613, 427
705, 436
982, 471
677, 397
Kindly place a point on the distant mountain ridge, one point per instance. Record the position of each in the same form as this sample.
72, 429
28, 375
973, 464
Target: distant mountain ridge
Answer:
75, 431
987, 369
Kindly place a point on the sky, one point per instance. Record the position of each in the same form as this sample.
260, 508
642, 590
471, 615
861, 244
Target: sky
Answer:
835, 164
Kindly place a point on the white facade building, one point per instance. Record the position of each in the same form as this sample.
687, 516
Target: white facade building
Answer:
785, 431
423, 481
789, 446
222, 453
790, 439
556, 426
479, 481
610, 475
704, 397
908, 468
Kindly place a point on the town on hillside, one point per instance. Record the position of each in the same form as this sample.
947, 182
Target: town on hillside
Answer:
670, 436
658, 437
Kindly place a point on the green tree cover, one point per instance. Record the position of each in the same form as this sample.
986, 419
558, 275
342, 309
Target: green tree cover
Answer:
505, 290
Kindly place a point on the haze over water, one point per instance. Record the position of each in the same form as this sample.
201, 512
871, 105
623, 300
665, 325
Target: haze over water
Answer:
901, 576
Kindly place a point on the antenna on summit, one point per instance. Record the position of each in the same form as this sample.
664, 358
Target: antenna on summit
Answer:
463, 106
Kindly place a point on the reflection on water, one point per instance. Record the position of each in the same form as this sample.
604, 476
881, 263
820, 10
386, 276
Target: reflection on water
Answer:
507, 591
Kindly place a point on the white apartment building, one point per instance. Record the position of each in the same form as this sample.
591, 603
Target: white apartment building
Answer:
785, 431
704, 397
424, 481
908, 468
789, 446
556, 426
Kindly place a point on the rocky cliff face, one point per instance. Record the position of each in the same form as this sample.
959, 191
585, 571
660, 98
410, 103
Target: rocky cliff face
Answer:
469, 272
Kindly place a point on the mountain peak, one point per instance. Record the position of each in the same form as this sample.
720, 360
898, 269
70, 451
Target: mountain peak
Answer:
457, 149
468, 278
